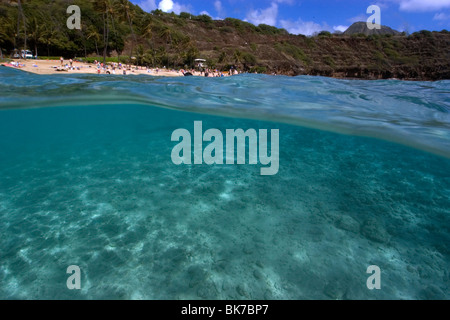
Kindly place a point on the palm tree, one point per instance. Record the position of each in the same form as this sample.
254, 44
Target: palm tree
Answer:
222, 56
125, 6
238, 56
49, 33
190, 54
36, 32
19, 16
148, 31
3, 40
5, 33
140, 55
112, 12
93, 34
166, 34
149, 57
177, 58
104, 6
83, 34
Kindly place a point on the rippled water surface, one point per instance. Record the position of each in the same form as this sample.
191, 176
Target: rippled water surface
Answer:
86, 179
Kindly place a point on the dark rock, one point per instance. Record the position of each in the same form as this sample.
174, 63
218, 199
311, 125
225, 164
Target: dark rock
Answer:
374, 230
347, 223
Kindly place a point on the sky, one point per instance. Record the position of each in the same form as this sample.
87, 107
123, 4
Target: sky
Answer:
308, 17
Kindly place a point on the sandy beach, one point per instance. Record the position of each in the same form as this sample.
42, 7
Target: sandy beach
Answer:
54, 67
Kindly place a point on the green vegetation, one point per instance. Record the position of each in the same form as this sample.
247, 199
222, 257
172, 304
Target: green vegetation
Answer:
329, 61
294, 51
249, 59
222, 57
185, 15
391, 53
122, 59
426, 33
359, 35
381, 61
204, 18
240, 26
325, 34
226, 29
51, 58
259, 69
42, 27
310, 42
269, 30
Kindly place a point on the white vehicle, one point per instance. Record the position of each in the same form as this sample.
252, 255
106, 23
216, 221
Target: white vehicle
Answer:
27, 54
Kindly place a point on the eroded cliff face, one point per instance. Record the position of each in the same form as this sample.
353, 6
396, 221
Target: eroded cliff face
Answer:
418, 57
421, 56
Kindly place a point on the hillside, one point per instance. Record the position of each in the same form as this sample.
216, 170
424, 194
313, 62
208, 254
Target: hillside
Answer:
361, 28
117, 28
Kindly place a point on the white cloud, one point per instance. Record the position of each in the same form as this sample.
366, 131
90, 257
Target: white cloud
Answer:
170, 6
306, 28
166, 5
219, 8
382, 5
207, 13
148, 5
340, 28
406, 27
285, 1
267, 16
422, 5
264, 16
358, 18
441, 17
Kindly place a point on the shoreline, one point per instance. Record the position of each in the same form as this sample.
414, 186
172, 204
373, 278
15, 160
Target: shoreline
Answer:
49, 67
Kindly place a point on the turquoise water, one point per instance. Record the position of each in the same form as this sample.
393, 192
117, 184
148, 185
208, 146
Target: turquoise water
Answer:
86, 178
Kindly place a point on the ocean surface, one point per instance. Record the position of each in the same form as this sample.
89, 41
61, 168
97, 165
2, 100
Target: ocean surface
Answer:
87, 179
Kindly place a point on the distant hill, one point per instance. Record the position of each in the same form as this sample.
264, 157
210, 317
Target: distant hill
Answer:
361, 28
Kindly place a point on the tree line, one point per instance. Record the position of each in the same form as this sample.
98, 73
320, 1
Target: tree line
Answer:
110, 28
107, 28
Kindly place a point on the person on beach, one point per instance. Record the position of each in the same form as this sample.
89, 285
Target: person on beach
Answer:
62, 61
71, 63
